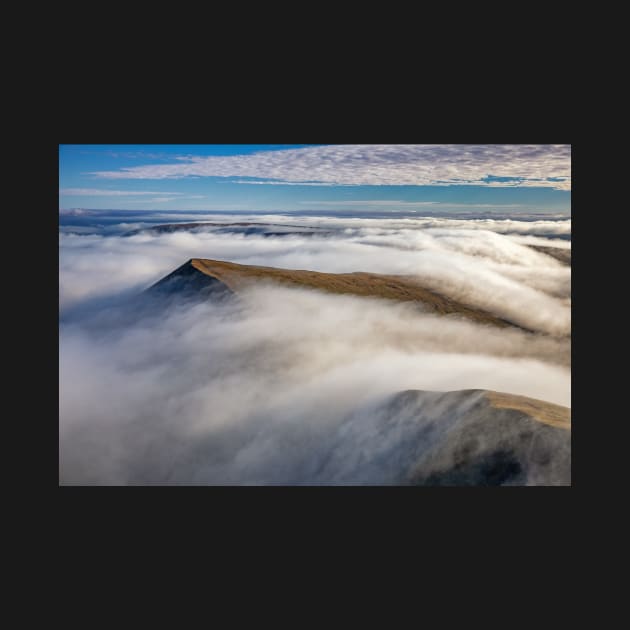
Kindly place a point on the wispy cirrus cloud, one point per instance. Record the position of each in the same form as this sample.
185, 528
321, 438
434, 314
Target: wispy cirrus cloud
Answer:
418, 165
104, 192
387, 203
155, 200
158, 196
130, 154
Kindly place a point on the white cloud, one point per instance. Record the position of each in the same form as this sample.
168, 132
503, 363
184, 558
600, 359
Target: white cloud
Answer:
398, 204
541, 227
361, 203
104, 192
257, 390
468, 260
441, 165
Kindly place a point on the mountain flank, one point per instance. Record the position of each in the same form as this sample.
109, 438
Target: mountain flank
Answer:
217, 276
469, 437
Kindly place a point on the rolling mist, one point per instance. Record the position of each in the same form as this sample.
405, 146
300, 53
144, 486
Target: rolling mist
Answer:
258, 388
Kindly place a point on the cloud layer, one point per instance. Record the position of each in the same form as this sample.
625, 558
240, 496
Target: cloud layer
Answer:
473, 264
138, 403
255, 390
419, 165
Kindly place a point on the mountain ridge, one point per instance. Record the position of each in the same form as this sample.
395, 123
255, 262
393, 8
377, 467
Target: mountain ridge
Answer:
228, 277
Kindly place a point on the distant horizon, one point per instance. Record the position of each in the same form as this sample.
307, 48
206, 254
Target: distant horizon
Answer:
314, 211
94, 217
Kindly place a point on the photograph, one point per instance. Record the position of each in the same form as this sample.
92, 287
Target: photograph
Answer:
314, 315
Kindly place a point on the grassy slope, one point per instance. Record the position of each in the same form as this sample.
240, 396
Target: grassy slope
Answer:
545, 412
393, 287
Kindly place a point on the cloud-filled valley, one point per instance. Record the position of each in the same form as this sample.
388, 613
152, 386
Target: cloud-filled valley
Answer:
255, 389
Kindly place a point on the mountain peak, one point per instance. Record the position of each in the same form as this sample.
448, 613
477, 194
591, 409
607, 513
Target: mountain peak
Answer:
222, 276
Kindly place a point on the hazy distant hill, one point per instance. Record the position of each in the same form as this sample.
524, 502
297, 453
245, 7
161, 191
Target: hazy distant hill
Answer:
213, 277
246, 228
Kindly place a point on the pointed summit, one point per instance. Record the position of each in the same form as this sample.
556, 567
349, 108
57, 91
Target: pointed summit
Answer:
187, 282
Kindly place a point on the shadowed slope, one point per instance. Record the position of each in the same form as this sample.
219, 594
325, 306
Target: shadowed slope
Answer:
459, 438
563, 255
187, 283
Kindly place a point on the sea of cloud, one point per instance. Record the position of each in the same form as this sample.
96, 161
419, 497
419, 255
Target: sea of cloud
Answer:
208, 393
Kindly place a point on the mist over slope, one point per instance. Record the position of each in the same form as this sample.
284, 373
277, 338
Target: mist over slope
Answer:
203, 275
259, 389
466, 437
461, 438
490, 271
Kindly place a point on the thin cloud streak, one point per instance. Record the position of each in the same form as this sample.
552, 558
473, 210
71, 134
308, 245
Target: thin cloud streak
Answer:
104, 192
387, 203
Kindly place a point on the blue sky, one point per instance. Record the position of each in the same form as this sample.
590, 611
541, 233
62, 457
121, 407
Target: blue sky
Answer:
302, 178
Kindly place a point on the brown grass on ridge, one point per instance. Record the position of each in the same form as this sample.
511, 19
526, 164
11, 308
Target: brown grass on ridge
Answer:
546, 412
392, 287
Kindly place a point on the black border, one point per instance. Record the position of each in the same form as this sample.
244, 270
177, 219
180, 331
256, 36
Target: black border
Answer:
435, 519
